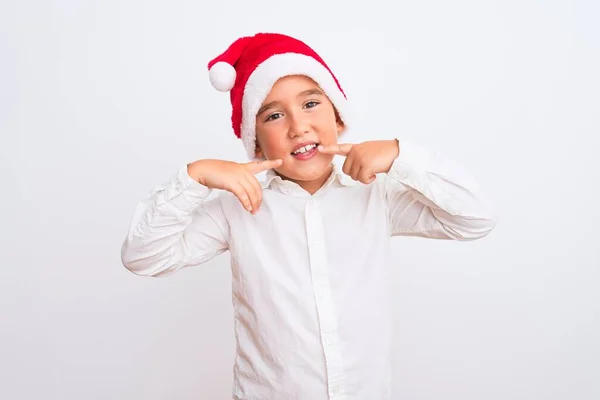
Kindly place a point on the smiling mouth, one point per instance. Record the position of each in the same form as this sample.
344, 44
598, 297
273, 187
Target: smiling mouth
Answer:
305, 149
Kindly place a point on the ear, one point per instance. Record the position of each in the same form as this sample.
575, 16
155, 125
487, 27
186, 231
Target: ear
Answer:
257, 151
341, 127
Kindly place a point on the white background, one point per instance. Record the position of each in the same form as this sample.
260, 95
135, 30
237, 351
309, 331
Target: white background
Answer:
100, 101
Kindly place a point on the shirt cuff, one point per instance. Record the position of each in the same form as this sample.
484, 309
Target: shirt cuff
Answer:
183, 192
412, 159
413, 154
413, 168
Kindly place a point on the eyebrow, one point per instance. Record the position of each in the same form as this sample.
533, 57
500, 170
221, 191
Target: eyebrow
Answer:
308, 92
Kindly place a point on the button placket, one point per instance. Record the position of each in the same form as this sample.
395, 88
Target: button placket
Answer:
323, 297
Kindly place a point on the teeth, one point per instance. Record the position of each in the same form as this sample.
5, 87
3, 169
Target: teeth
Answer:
305, 149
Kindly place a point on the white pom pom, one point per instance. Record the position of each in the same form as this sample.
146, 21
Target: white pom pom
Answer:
222, 76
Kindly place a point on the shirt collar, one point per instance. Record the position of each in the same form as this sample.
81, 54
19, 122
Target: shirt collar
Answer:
337, 177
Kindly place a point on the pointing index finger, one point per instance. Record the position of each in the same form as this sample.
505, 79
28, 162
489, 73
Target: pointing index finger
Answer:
342, 149
263, 165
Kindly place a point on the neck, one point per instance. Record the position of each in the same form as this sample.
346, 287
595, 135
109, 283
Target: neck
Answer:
315, 184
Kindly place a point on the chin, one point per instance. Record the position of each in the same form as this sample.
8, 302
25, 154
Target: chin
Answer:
307, 170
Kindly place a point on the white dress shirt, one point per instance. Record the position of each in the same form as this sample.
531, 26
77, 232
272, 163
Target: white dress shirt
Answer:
310, 273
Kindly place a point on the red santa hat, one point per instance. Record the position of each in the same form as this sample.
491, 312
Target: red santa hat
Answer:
251, 65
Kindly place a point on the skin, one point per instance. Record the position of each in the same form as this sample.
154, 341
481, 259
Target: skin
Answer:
296, 111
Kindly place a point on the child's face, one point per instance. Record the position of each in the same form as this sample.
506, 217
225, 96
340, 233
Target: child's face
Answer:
296, 113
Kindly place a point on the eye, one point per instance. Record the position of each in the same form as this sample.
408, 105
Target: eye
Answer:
311, 104
273, 117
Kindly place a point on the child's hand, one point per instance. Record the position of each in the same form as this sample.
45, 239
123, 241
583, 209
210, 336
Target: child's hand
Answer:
236, 178
366, 159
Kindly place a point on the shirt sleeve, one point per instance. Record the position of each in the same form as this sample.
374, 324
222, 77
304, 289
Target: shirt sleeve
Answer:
175, 227
428, 195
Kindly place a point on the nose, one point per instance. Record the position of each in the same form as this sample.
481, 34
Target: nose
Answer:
299, 125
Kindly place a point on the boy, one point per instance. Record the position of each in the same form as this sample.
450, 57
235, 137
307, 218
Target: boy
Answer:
310, 245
